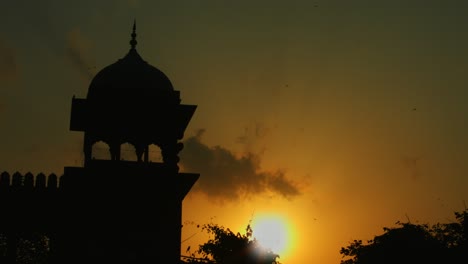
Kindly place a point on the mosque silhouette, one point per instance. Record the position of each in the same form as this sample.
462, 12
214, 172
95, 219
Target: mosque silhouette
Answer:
109, 210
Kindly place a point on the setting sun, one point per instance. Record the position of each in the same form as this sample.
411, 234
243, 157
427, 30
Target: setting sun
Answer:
272, 232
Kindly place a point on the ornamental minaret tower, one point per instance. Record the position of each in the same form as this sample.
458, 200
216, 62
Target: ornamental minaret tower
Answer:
121, 211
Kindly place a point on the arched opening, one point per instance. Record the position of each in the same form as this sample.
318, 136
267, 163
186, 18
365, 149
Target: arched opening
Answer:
127, 151
100, 151
154, 153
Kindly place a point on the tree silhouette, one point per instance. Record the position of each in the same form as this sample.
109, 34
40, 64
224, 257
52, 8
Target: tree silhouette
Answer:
227, 247
413, 243
31, 248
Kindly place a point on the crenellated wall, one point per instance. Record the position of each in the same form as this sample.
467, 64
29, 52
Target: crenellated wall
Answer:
29, 207
28, 182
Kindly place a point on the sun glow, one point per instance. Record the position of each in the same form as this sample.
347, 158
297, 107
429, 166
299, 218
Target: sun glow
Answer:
273, 232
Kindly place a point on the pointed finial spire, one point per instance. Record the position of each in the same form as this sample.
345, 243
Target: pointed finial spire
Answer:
133, 41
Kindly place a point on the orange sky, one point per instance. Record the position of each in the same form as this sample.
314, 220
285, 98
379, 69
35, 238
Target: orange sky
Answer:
342, 117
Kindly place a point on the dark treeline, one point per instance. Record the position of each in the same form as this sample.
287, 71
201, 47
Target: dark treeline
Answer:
413, 243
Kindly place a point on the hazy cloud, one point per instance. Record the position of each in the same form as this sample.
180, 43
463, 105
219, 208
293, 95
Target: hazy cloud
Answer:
133, 3
9, 71
252, 134
77, 50
225, 176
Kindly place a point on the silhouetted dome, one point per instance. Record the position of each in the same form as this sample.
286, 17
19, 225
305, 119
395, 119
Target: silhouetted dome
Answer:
128, 78
130, 97
131, 101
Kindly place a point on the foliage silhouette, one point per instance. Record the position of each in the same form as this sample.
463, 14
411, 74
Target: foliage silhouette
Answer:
32, 248
227, 247
413, 243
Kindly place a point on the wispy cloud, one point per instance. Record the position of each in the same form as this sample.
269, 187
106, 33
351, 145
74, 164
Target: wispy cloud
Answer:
77, 51
225, 176
253, 135
9, 71
133, 3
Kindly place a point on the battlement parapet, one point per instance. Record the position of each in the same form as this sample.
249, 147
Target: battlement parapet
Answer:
28, 182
